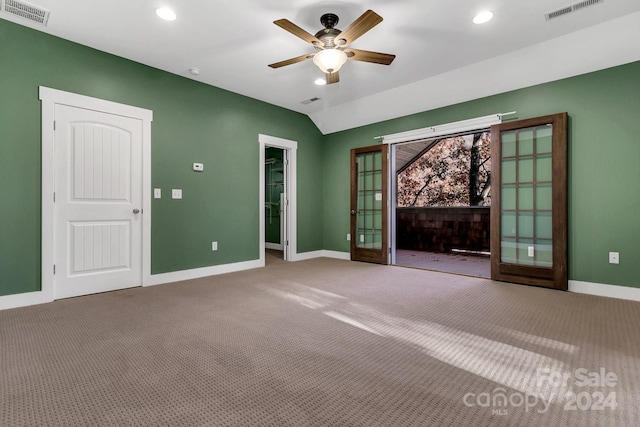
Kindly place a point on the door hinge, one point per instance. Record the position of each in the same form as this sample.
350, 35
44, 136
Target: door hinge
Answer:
54, 269
54, 125
54, 197
286, 243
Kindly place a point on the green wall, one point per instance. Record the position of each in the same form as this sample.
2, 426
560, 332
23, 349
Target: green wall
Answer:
192, 122
604, 165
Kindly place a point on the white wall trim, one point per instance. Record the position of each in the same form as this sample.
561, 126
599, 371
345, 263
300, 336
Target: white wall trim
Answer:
22, 300
291, 189
197, 273
51, 97
322, 254
603, 290
337, 255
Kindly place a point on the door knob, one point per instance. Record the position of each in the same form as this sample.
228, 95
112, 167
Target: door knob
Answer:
136, 211
353, 211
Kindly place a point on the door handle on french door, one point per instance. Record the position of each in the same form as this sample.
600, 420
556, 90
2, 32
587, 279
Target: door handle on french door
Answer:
353, 211
136, 211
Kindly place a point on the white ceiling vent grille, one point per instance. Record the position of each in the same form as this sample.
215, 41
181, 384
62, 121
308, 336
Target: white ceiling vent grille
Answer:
26, 11
571, 8
310, 100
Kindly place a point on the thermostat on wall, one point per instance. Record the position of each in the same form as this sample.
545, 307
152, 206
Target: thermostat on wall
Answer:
198, 167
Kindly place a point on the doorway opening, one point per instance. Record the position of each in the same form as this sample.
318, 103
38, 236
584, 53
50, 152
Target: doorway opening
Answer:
442, 200
275, 202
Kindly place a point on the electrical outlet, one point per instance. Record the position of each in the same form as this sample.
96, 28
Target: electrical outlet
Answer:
362, 238
214, 246
157, 193
614, 257
530, 251
348, 236
176, 193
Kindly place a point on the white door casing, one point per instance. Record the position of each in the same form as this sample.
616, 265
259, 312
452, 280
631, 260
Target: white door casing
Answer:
290, 172
98, 190
109, 232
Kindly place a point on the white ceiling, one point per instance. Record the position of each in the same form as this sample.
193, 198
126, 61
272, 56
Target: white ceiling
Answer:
441, 56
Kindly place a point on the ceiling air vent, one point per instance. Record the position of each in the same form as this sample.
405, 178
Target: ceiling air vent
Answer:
571, 8
26, 11
310, 100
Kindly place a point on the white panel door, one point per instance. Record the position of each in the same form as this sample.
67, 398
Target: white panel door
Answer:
98, 200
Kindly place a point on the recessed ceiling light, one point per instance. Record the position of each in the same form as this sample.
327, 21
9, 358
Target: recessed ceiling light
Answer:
483, 17
320, 82
166, 14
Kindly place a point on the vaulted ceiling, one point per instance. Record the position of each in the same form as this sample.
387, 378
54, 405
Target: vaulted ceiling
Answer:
442, 56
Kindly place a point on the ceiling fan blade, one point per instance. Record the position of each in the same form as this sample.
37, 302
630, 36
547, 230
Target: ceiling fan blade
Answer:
292, 60
368, 56
331, 78
287, 25
364, 23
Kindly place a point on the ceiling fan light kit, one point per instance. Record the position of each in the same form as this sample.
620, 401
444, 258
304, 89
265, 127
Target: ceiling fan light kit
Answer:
332, 44
330, 60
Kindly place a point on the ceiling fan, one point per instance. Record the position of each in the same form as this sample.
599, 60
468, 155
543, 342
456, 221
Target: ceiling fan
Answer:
332, 45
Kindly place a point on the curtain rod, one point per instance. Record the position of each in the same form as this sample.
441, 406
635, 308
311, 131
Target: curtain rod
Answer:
433, 128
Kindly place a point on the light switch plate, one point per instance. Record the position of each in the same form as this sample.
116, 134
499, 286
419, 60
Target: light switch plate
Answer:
176, 193
531, 251
214, 246
157, 193
348, 236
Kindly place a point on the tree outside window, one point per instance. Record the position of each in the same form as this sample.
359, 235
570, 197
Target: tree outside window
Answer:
455, 171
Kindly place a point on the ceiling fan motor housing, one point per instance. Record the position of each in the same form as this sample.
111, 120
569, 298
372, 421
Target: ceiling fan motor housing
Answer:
329, 20
329, 33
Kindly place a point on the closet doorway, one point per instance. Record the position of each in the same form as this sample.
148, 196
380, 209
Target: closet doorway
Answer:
277, 188
275, 201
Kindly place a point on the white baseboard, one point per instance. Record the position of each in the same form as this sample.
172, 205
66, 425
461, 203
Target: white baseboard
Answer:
602, 290
321, 254
306, 255
196, 273
274, 246
21, 300
337, 255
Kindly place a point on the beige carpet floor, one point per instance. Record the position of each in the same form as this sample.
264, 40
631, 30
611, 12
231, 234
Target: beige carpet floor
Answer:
323, 343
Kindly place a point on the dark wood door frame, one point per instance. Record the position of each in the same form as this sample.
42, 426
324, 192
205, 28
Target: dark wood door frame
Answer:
379, 256
557, 276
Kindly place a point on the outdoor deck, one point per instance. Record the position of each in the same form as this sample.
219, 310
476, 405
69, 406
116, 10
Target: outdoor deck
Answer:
470, 265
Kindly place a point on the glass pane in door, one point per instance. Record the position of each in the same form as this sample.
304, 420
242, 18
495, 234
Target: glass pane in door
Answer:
369, 200
526, 205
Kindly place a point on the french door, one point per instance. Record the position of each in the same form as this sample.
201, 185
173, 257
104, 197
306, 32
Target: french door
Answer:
369, 206
529, 201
